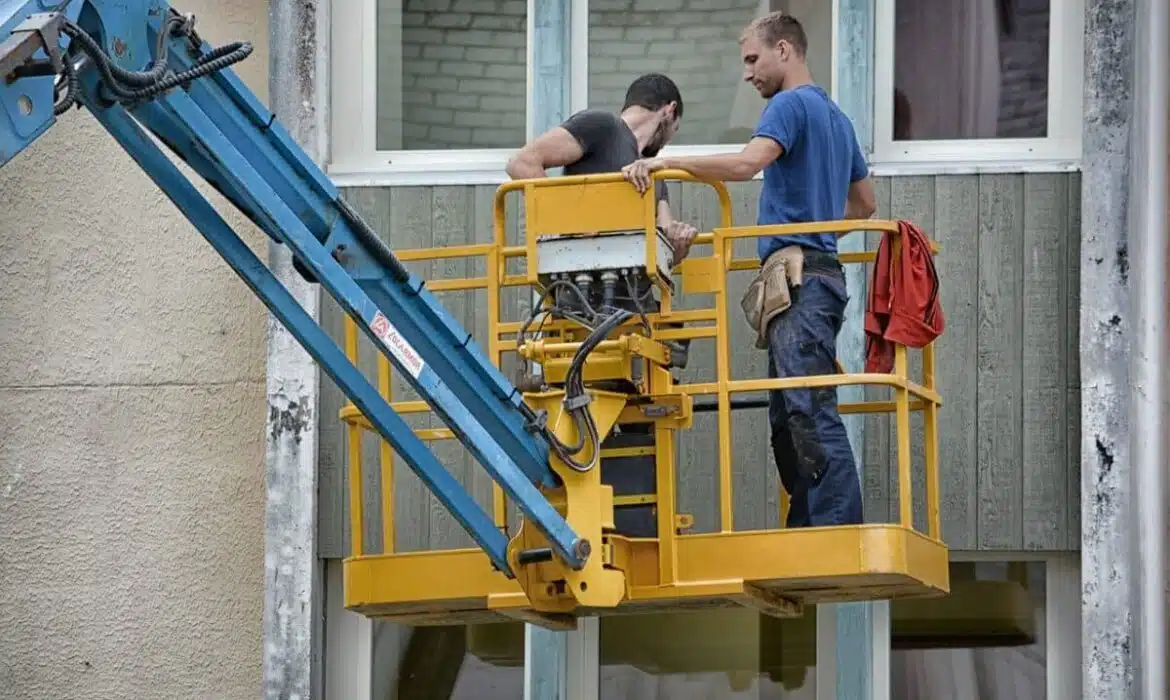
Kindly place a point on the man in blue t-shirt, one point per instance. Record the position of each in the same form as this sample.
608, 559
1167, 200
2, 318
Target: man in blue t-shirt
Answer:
814, 170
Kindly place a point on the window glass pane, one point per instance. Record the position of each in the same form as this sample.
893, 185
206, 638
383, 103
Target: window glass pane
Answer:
450, 74
983, 642
696, 44
447, 663
732, 654
970, 69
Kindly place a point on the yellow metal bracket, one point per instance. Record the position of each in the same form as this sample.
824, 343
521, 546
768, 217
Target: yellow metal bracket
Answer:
699, 275
586, 504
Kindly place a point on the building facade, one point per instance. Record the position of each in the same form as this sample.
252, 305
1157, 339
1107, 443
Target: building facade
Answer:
981, 121
132, 424
999, 126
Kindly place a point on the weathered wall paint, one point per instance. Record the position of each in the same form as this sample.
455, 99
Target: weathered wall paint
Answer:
1008, 367
132, 416
854, 93
293, 573
1106, 532
855, 97
546, 651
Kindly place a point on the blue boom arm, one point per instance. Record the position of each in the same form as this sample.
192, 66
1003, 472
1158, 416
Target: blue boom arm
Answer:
139, 67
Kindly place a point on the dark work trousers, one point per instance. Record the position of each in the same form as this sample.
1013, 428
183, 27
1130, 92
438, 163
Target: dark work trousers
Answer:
809, 441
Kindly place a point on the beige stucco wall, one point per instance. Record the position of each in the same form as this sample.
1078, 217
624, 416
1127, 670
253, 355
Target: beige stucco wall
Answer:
132, 409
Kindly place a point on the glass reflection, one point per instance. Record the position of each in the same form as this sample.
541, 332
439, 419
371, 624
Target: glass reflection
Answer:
725, 653
991, 647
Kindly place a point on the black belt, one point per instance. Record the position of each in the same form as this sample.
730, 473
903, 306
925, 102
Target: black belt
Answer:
820, 262
817, 262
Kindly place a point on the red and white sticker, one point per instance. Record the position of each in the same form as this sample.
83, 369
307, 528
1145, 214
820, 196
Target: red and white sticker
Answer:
397, 345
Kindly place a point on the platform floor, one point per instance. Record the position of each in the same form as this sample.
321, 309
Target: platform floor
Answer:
777, 571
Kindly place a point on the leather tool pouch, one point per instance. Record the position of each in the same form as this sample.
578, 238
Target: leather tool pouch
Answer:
793, 267
770, 293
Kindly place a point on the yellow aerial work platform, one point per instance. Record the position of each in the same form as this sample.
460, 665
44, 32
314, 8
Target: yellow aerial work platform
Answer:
628, 377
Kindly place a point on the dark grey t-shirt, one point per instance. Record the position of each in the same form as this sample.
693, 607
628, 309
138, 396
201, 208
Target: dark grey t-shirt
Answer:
609, 145
607, 142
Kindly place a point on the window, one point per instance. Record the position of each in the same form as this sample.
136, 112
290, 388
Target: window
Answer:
448, 662
437, 91
987, 640
729, 653
437, 86
450, 74
695, 43
365, 658
978, 80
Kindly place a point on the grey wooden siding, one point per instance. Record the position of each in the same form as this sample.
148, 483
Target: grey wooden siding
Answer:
1007, 367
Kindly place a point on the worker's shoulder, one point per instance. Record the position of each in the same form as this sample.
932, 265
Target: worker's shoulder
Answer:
819, 108
794, 105
801, 94
594, 117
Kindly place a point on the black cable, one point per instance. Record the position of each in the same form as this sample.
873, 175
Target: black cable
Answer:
576, 398
72, 85
555, 311
638, 302
534, 419
128, 86
576, 403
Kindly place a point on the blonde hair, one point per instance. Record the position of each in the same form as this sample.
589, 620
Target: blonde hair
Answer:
779, 26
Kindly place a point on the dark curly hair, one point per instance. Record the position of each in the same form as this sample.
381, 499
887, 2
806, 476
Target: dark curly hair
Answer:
653, 91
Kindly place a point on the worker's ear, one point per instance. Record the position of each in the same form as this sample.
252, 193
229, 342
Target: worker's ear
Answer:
784, 49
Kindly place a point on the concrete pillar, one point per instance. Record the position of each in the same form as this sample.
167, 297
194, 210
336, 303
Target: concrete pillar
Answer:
854, 93
1149, 437
1105, 331
292, 623
546, 652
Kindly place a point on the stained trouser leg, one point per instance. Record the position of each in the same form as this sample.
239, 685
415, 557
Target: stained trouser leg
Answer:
787, 461
803, 342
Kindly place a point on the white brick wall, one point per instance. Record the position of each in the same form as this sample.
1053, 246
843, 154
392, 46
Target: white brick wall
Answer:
462, 74
694, 42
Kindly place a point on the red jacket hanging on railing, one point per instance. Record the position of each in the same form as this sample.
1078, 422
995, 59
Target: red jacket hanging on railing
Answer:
903, 304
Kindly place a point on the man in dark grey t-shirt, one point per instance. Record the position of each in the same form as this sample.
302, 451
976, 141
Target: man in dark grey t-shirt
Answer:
596, 141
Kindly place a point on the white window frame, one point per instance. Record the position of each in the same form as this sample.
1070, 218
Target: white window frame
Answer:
1060, 150
348, 649
355, 160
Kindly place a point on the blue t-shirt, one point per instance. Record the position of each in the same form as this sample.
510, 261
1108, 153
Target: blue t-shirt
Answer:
810, 180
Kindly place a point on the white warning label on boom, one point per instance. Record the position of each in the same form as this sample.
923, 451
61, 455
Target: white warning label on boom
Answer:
397, 345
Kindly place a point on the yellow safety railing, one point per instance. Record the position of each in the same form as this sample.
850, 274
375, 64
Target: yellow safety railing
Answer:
908, 395
596, 203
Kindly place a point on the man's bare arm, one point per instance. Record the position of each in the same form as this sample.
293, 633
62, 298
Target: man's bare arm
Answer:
731, 167
665, 217
680, 234
552, 149
861, 203
734, 167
